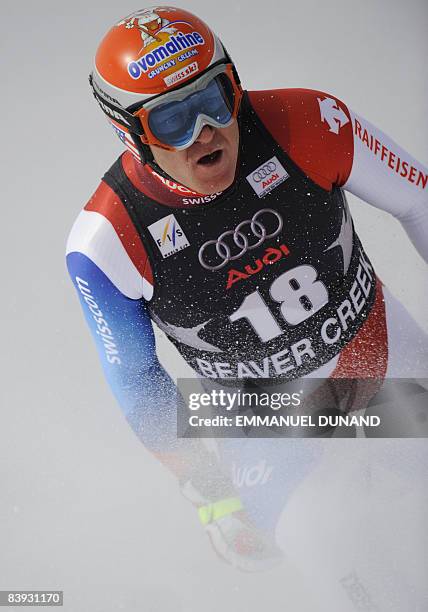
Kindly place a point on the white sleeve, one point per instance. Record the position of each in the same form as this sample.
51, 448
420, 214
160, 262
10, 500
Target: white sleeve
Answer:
387, 177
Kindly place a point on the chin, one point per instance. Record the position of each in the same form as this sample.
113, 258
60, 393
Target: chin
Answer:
215, 185
215, 181
216, 172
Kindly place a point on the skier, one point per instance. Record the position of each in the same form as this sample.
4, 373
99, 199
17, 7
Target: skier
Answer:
226, 223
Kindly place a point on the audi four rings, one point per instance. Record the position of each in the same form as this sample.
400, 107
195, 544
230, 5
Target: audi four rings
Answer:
264, 172
240, 239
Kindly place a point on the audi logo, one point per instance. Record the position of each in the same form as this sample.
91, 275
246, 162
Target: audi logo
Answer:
240, 239
264, 171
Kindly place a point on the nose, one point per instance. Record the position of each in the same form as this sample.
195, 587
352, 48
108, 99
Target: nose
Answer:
206, 134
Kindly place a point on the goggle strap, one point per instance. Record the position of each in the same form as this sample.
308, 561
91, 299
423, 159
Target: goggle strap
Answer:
117, 113
229, 61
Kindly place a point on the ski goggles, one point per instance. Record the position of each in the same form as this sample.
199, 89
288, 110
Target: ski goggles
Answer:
174, 120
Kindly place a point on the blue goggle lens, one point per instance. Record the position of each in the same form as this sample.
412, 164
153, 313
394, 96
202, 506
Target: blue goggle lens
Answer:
173, 122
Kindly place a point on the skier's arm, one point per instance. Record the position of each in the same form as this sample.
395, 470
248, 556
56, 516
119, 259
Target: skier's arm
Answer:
109, 268
111, 272
124, 339
386, 176
335, 147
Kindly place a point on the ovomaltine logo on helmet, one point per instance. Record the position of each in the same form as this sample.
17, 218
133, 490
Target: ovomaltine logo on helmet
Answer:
175, 44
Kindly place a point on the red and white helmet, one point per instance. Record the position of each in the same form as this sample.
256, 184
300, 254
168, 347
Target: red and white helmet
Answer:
147, 54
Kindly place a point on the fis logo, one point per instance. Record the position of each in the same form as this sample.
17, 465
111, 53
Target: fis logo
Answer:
267, 177
168, 235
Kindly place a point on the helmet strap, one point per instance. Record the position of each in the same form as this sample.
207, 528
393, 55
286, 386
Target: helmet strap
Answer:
155, 166
146, 157
143, 150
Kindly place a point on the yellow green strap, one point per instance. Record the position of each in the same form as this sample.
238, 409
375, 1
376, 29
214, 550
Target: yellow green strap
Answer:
215, 511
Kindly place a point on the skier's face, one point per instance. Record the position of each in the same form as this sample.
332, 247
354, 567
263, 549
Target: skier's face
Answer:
208, 165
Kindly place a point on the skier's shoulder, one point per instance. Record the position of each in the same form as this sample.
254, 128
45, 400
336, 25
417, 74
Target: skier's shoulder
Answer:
98, 220
312, 126
307, 110
104, 235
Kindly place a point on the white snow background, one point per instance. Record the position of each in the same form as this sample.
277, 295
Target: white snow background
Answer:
83, 507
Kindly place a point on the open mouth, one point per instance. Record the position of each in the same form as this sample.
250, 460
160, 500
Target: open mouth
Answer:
211, 159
